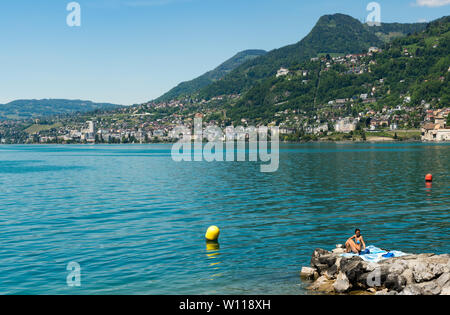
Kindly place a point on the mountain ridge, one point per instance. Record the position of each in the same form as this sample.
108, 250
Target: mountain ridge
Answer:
410, 71
211, 76
336, 33
36, 108
333, 33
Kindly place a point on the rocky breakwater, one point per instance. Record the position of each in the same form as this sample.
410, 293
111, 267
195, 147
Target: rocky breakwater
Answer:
423, 274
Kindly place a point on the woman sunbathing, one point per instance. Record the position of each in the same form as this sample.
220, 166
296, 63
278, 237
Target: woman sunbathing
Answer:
355, 243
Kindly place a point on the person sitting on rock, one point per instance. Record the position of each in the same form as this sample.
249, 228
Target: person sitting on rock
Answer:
355, 243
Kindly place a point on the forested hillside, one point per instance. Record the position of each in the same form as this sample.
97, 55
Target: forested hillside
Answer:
26, 109
333, 34
411, 70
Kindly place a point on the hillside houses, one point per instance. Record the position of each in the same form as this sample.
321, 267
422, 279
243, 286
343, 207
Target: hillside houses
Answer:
346, 125
436, 127
282, 72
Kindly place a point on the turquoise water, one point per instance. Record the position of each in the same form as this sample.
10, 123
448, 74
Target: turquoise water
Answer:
135, 221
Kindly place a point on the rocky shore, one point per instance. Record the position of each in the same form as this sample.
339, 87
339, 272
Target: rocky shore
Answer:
423, 274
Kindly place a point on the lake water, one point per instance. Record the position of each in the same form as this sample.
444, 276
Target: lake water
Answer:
135, 220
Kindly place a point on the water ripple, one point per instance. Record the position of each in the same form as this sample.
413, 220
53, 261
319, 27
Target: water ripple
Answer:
134, 219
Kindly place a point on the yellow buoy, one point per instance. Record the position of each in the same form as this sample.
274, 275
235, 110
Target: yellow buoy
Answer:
213, 233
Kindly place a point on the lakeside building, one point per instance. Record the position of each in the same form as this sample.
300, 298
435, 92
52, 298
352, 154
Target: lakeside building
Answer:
374, 50
437, 130
287, 131
317, 129
159, 133
346, 125
433, 132
88, 134
282, 72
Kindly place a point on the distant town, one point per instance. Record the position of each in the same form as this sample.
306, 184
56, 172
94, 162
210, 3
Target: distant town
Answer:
336, 120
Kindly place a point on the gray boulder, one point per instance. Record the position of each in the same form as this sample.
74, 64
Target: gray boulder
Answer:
395, 282
426, 270
421, 271
352, 268
430, 288
308, 273
331, 272
328, 259
342, 284
412, 289
316, 260
424, 274
398, 267
409, 277
444, 280
323, 284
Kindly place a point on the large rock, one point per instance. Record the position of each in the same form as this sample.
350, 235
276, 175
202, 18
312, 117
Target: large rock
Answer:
444, 280
412, 289
373, 278
308, 273
398, 267
395, 282
352, 268
424, 270
409, 277
318, 253
321, 268
331, 272
316, 259
323, 284
338, 251
342, 284
328, 259
371, 266
430, 288
424, 274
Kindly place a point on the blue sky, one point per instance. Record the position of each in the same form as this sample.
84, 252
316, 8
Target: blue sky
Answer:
131, 51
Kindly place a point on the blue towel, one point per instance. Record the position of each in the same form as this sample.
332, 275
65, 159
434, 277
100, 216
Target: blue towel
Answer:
375, 254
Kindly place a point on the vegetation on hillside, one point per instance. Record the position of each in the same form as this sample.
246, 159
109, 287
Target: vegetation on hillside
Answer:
187, 88
411, 70
333, 34
26, 109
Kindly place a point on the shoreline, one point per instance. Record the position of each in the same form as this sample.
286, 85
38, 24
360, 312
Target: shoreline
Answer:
408, 274
284, 142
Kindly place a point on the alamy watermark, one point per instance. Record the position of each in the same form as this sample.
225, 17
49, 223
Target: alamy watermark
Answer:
374, 278
74, 17
374, 17
74, 277
233, 144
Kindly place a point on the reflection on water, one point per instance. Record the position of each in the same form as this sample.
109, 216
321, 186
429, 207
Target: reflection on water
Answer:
428, 187
212, 246
134, 220
213, 254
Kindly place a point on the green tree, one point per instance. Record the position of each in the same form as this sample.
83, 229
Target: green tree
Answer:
363, 135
